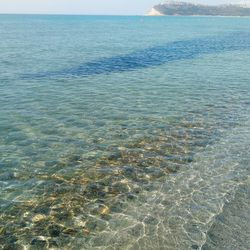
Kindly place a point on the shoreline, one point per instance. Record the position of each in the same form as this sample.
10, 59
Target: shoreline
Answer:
196, 16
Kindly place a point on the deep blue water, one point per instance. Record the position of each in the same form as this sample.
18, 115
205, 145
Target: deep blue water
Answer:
124, 132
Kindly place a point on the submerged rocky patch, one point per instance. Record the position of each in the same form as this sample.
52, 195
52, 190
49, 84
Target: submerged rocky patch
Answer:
67, 207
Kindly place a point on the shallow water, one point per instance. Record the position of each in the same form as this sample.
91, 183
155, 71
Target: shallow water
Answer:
124, 132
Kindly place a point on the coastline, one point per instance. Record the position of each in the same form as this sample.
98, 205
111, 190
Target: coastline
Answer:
195, 16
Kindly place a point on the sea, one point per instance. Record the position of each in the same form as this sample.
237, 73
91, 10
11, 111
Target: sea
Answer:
124, 132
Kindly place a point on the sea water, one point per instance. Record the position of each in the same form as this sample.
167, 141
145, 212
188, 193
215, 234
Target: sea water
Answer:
124, 132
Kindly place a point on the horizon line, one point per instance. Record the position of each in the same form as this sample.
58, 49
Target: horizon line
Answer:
66, 14
124, 15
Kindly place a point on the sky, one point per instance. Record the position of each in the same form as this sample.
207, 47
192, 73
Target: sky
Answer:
90, 7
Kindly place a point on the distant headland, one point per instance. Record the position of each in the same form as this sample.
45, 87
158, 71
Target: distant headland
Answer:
171, 8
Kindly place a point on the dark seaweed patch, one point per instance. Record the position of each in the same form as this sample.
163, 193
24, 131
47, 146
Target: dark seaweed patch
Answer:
154, 56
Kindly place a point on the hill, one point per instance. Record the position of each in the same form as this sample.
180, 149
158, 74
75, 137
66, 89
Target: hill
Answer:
189, 9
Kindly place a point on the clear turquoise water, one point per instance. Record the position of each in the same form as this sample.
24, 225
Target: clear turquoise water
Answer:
124, 132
